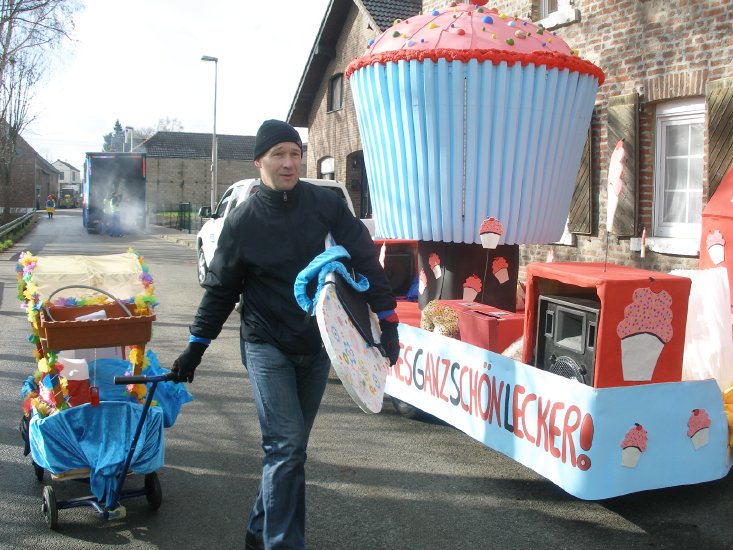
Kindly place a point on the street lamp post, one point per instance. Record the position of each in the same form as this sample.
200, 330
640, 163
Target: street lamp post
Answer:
214, 144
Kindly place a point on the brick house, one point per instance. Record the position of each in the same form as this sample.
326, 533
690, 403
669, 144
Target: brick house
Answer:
179, 165
668, 94
33, 178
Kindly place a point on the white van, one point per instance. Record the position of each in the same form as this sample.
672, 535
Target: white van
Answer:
238, 192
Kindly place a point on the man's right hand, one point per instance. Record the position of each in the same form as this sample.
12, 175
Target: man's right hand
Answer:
186, 364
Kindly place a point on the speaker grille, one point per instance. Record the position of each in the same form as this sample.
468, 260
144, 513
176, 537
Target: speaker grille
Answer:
567, 367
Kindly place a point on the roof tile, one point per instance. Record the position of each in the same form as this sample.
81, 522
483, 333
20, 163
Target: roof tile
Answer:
194, 145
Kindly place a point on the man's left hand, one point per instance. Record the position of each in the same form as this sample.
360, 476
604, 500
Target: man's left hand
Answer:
390, 340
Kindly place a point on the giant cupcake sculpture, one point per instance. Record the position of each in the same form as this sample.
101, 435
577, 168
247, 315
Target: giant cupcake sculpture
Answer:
467, 113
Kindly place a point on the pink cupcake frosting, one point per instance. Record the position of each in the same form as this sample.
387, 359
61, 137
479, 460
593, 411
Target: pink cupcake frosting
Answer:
635, 437
473, 282
713, 238
699, 419
491, 225
465, 31
464, 26
649, 312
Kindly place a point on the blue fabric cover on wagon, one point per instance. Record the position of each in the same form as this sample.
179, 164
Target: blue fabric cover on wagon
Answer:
99, 438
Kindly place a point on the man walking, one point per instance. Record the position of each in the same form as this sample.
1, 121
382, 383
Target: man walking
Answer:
265, 242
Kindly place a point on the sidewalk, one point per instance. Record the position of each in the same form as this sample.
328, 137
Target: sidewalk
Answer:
173, 235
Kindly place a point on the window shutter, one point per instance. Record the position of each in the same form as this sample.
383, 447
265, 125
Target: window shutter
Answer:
623, 123
720, 131
579, 220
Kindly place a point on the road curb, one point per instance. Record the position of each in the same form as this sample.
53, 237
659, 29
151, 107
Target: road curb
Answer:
189, 242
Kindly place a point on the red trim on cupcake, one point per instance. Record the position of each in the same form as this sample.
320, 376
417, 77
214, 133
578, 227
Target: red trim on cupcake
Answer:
551, 60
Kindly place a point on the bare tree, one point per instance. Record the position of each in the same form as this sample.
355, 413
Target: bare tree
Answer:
28, 29
166, 124
169, 124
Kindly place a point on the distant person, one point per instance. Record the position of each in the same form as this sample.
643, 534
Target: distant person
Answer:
115, 205
281, 347
107, 215
50, 206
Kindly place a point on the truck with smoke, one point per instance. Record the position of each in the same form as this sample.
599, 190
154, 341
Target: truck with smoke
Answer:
117, 179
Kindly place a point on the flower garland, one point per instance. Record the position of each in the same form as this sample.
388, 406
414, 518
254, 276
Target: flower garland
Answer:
46, 390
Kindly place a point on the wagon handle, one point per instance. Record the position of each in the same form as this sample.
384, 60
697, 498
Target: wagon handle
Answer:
95, 289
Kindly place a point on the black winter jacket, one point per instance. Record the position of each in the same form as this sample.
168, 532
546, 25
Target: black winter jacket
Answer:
264, 243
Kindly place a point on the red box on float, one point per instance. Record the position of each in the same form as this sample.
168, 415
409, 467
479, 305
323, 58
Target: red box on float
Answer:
636, 332
485, 326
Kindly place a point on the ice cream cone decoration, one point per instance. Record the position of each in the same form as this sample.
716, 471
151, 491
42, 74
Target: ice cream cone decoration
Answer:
644, 331
633, 445
471, 287
434, 261
716, 247
615, 182
490, 232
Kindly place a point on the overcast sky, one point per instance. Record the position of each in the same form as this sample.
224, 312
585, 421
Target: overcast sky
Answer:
138, 61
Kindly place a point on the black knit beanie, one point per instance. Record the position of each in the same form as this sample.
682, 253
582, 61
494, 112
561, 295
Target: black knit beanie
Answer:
273, 132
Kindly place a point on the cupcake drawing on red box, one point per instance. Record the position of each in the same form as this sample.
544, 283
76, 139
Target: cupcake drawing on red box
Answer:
500, 269
716, 247
471, 288
645, 329
698, 428
422, 282
633, 445
490, 232
434, 261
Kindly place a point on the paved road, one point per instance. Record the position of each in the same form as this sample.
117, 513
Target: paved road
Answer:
374, 482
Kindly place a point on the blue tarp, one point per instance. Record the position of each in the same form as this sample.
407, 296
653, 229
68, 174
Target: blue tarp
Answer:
99, 438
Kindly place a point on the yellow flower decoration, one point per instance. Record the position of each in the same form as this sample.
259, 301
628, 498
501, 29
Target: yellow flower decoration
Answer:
43, 365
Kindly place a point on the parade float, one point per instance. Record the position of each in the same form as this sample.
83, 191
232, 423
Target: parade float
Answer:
473, 124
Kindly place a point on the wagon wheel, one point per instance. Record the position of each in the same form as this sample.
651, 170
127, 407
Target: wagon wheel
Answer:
50, 509
153, 491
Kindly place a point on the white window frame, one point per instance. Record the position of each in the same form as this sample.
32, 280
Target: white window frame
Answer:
564, 15
335, 101
327, 168
684, 111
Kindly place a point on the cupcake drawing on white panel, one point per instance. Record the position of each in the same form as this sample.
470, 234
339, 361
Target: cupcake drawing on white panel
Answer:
645, 329
698, 428
633, 445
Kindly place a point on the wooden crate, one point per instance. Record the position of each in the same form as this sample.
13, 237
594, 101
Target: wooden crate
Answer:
59, 328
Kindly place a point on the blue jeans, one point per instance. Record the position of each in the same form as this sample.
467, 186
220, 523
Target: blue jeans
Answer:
287, 390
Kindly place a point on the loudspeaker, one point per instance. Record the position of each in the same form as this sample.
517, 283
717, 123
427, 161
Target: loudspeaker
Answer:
566, 336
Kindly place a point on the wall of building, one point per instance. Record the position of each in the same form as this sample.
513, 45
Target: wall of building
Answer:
336, 134
650, 47
28, 173
174, 180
